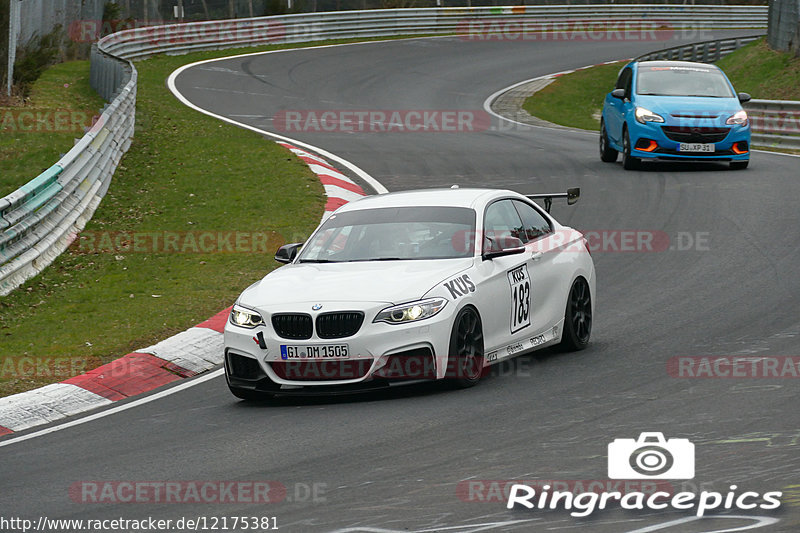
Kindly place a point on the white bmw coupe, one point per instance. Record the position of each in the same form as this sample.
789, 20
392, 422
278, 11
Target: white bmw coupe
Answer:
434, 284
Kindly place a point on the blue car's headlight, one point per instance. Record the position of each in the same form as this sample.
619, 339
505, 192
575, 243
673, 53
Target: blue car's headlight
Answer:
645, 115
411, 312
245, 318
740, 118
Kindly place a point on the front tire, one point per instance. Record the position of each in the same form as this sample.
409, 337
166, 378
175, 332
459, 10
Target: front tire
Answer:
577, 317
607, 153
628, 161
465, 359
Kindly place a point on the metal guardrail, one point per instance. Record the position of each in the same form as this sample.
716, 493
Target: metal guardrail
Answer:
774, 123
39, 220
478, 21
705, 52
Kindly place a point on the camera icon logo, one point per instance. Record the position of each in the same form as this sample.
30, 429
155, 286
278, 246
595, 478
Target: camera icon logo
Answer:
651, 457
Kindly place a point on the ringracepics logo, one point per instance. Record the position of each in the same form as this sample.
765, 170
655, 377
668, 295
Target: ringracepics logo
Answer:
650, 457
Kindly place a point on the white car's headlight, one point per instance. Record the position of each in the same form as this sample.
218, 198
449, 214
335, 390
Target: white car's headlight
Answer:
740, 118
411, 312
645, 115
245, 318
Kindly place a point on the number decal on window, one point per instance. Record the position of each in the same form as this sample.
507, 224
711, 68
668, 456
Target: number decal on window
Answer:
520, 298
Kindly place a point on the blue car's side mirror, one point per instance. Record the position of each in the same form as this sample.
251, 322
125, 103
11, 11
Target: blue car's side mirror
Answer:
618, 93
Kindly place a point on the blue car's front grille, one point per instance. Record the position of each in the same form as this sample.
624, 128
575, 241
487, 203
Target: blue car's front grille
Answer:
695, 134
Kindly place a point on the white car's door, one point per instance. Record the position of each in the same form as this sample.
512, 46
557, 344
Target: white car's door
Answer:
549, 271
506, 282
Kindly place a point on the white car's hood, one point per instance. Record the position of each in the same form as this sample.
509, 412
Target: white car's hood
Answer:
379, 281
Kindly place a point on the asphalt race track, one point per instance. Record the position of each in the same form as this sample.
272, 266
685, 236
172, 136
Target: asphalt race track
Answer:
725, 285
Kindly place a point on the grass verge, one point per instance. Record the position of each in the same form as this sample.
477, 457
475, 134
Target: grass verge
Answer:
763, 72
33, 136
185, 176
576, 99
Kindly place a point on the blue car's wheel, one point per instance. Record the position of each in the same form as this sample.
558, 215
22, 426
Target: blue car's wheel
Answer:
607, 153
628, 161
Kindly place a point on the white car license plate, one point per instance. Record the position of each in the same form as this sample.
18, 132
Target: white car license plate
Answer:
696, 147
315, 351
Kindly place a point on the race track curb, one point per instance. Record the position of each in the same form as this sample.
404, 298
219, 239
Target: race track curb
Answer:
189, 353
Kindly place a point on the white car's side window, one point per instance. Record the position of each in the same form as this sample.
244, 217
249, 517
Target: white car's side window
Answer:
534, 223
502, 221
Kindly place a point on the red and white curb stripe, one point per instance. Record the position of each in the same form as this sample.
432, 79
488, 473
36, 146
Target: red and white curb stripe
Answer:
339, 188
184, 355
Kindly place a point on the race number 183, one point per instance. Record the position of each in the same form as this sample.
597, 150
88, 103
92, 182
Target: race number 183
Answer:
520, 298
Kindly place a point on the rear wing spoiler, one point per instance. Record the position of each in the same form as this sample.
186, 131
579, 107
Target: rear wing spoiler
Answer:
571, 195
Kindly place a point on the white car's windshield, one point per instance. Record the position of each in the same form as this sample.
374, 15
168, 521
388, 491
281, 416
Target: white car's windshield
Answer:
682, 81
390, 234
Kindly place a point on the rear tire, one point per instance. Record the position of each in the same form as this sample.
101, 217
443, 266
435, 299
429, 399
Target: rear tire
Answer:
607, 153
466, 350
577, 317
739, 165
628, 161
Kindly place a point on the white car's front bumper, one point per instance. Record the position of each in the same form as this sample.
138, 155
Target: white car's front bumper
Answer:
377, 352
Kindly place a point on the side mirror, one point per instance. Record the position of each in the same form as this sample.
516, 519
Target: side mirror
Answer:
287, 252
505, 246
573, 193
744, 97
619, 93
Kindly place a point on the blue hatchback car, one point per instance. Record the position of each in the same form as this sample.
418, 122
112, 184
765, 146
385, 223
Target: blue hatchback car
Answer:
676, 111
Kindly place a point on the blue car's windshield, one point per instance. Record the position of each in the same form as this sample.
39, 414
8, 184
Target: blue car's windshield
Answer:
392, 234
682, 81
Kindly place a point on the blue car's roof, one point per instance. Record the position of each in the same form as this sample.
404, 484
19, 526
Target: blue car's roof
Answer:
676, 64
